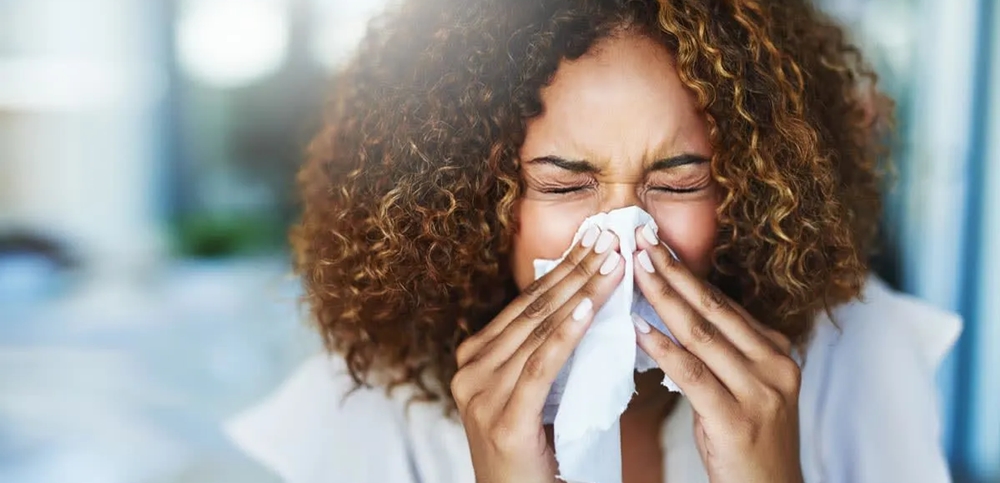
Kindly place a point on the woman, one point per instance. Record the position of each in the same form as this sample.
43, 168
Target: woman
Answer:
468, 138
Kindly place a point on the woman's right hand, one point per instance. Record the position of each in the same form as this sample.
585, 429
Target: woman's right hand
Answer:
505, 370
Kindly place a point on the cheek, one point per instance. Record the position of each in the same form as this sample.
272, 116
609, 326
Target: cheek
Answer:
545, 230
690, 230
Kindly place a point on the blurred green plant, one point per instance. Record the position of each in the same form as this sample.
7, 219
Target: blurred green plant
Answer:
205, 235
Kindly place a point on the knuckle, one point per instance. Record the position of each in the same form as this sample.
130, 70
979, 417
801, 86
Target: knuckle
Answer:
534, 366
576, 255
666, 291
585, 269
703, 331
460, 389
478, 411
540, 307
542, 331
504, 437
464, 352
713, 300
788, 375
663, 345
693, 370
535, 288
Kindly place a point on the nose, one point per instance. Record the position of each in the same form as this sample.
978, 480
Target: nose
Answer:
621, 195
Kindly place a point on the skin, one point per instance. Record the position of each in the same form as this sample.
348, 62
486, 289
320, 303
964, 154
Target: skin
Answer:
620, 129
620, 108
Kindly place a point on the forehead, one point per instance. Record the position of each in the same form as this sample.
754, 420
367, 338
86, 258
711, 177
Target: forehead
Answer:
622, 102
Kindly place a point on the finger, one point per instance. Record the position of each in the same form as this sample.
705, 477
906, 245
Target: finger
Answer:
696, 333
539, 370
596, 290
475, 379
595, 278
504, 359
781, 343
580, 252
705, 298
692, 375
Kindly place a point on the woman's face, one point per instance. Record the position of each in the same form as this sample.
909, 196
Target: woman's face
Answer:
618, 129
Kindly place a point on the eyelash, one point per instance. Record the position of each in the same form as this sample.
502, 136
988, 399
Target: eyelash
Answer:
678, 190
574, 189
564, 191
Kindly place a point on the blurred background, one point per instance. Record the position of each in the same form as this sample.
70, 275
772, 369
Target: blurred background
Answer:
147, 149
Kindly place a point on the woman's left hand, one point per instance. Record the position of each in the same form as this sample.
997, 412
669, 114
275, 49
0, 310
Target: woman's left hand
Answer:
736, 373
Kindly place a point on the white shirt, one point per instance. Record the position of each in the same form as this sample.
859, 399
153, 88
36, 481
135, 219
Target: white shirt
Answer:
868, 412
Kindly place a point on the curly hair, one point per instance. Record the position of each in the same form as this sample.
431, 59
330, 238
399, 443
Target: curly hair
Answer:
405, 238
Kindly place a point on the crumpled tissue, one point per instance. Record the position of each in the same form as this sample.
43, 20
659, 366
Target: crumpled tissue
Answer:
596, 384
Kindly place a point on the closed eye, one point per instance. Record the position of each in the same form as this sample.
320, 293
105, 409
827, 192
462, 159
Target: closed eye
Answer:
564, 190
669, 189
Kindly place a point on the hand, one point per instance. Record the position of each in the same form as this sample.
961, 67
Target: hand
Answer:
737, 373
506, 370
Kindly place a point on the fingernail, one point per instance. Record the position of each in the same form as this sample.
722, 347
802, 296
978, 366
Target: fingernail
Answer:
609, 265
581, 311
640, 324
604, 242
649, 233
645, 262
590, 236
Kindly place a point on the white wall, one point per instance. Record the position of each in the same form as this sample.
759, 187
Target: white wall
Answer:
78, 85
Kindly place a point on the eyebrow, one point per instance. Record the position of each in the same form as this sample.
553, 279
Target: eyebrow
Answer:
675, 161
576, 166
581, 166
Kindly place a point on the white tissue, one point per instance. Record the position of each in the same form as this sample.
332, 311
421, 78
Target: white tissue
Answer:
596, 384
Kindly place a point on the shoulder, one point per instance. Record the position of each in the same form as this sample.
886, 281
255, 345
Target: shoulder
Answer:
883, 326
883, 340
869, 398
317, 427
315, 423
